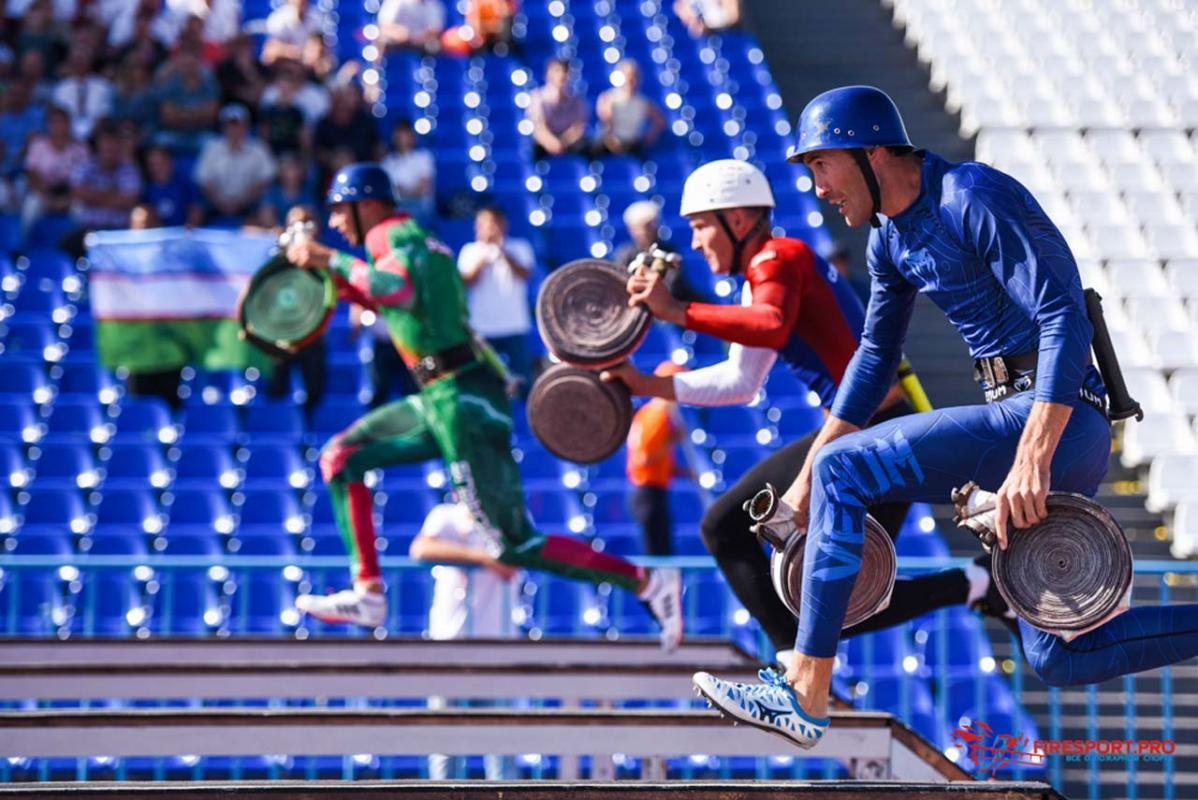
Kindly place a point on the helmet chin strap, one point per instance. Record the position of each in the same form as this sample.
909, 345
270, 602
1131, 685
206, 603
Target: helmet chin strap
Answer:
353, 206
738, 243
871, 180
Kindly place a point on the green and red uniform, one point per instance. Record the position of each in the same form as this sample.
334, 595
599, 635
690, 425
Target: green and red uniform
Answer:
461, 416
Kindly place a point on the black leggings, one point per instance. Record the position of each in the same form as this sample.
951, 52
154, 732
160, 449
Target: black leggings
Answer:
725, 531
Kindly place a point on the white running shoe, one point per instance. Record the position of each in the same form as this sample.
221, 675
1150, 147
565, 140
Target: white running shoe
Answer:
349, 605
663, 595
770, 706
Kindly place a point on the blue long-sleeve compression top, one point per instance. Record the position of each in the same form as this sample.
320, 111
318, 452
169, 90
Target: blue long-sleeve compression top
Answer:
979, 246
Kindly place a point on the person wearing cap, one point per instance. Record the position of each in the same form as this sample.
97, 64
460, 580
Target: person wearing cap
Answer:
977, 243
642, 220
234, 170
656, 430
797, 308
460, 415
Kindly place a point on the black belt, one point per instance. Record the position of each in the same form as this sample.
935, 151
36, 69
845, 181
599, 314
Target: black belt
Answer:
1006, 376
436, 366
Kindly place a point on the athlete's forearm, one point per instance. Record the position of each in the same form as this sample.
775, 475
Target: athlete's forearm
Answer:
351, 277
427, 548
1041, 434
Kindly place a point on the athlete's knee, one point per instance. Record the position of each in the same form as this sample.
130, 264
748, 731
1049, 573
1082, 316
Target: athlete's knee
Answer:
721, 524
834, 466
334, 458
1054, 665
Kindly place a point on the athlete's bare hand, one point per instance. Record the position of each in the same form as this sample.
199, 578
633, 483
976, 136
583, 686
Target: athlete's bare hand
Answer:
309, 255
1022, 499
649, 289
798, 496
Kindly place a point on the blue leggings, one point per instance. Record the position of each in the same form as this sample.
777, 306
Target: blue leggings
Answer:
921, 458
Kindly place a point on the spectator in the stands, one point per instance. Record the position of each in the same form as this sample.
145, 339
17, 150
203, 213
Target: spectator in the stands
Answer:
142, 217
20, 120
281, 122
140, 33
413, 172
39, 31
312, 361
291, 190
219, 20
240, 75
104, 189
50, 161
411, 24
704, 17
134, 99
318, 59
559, 116
642, 219
288, 28
312, 98
629, 121
235, 169
189, 102
841, 258
87, 96
174, 198
31, 66
496, 270
348, 125
657, 429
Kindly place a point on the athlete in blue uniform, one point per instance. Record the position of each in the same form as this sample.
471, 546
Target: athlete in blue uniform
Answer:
976, 242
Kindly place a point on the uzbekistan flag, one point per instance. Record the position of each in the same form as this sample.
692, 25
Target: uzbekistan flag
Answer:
166, 297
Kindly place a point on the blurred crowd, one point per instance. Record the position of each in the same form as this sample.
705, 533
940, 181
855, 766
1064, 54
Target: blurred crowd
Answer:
148, 113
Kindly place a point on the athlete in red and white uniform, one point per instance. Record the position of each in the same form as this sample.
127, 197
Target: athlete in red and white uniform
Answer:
796, 307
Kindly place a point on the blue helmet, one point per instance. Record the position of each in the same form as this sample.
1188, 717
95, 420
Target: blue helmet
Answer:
365, 180
848, 117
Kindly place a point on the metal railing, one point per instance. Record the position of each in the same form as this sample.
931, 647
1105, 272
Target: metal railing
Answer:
155, 578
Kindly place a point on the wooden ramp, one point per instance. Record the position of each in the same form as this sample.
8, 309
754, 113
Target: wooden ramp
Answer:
871, 744
713, 653
539, 790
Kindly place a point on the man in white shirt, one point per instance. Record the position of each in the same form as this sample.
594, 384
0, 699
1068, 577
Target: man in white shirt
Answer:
86, 96
496, 270
288, 29
411, 23
467, 603
234, 170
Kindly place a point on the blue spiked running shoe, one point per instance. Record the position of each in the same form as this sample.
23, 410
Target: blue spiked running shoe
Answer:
770, 706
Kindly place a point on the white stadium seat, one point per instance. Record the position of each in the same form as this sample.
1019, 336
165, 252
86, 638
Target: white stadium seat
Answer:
1182, 276
1171, 481
1136, 277
1185, 530
1183, 387
1156, 435
1171, 350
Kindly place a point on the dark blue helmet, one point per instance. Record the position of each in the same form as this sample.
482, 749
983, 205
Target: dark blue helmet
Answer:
848, 117
365, 180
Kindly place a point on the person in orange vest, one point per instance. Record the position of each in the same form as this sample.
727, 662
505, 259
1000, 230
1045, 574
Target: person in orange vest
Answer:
656, 428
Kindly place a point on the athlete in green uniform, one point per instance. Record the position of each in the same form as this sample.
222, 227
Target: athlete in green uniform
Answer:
461, 413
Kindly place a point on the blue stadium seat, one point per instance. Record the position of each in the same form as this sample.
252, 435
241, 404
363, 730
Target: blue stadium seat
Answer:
77, 422
59, 466
961, 638
686, 506
272, 423
49, 230
269, 513
558, 605
909, 698
738, 460
611, 507
410, 603
539, 468
109, 595
126, 513
144, 420
275, 467
30, 599
795, 418
879, 653
13, 469
733, 425
135, 466
406, 511
199, 512
23, 380
259, 602
345, 379
205, 467
706, 602
611, 472
52, 509
86, 378
34, 304
917, 545
186, 596
28, 340
551, 510
210, 424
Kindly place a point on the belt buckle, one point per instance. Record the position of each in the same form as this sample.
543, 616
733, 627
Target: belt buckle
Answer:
987, 372
999, 365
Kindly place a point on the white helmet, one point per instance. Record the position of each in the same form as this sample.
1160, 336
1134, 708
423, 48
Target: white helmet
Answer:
727, 183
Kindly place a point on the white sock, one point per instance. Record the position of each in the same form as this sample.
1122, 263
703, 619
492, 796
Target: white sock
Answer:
651, 586
979, 582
